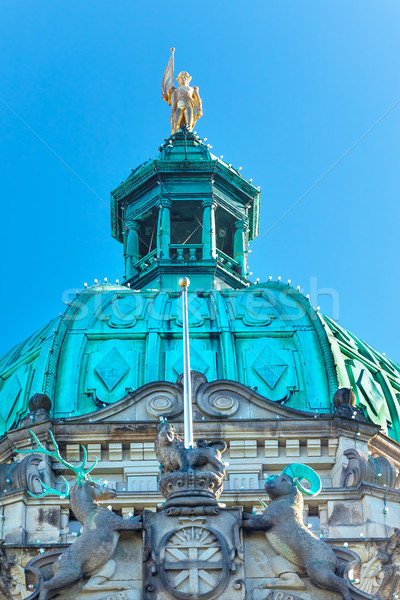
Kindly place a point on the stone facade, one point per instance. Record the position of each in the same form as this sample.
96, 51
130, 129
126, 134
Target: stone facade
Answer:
262, 438
271, 378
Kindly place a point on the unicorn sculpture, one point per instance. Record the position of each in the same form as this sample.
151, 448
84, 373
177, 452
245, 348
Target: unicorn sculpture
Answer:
286, 533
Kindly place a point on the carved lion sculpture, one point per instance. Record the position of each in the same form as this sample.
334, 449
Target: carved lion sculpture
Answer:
283, 523
173, 455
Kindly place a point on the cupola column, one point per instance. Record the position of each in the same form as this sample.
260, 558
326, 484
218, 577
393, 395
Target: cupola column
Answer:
164, 228
132, 248
240, 245
208, 239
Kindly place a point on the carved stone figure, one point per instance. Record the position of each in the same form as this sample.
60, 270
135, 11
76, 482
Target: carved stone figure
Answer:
5, 575
189, 476
173, 455
380, 576
12, 577
287, 535
18, 584
390, 586
97, 542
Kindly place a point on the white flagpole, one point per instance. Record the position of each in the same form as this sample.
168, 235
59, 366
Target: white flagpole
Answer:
173, 65
187, 384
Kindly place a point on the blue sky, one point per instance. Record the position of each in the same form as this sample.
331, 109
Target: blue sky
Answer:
301, 94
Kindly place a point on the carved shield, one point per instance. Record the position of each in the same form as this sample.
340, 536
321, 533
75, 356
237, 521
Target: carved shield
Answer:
194, 563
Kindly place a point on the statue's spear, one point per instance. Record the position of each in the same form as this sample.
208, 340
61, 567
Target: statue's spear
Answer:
187, 384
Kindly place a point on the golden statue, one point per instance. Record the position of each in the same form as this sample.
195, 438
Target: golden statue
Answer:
185, 101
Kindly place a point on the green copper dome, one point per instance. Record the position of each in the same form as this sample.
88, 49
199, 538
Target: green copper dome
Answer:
189, 213
112, 340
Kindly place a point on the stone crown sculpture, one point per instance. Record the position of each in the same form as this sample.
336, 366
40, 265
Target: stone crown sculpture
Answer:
189, 476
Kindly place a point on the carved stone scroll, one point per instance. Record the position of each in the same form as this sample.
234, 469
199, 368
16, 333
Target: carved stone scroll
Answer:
379, 470
23, 475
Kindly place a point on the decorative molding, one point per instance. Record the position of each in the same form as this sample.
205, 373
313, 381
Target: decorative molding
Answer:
361, 468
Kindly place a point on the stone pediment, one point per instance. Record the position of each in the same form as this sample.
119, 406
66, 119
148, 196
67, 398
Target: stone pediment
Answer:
221, 399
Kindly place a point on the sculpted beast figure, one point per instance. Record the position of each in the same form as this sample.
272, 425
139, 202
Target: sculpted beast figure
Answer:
90, 555
286, 533
173, 455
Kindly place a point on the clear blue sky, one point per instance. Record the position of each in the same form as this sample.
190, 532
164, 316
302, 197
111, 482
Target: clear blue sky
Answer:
288, 87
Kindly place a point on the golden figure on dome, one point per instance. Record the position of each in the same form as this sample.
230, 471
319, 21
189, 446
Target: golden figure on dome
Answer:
185, 101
